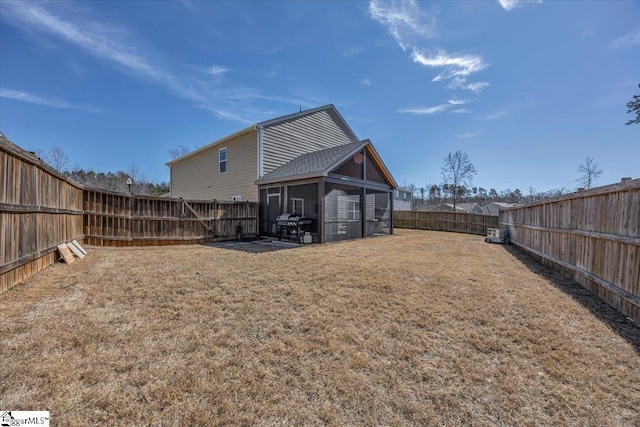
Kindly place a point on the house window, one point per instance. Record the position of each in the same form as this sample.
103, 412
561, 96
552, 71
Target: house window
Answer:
222, 157
353, 210
297, 206
405, 196
396, 194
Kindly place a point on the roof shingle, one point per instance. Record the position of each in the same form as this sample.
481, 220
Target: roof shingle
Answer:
310, 164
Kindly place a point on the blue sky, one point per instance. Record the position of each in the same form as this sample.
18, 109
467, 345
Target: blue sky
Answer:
527, 89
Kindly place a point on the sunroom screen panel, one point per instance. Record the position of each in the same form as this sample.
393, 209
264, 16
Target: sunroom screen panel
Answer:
343, 212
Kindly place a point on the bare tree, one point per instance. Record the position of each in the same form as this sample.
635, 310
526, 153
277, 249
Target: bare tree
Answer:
140, 184
457, 172
180, 151
58, 159
590, 172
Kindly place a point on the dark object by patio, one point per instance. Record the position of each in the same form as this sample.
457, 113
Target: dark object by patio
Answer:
292, 226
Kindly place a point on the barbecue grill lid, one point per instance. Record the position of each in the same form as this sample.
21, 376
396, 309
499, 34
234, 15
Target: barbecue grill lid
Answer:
289, 217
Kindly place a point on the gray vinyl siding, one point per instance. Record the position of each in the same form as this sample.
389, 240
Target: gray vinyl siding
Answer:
198, 177
283, 142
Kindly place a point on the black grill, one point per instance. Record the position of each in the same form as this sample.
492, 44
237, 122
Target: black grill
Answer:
292, 226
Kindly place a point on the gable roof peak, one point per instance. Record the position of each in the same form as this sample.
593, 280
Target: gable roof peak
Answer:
271, 122
321, 162
291, 116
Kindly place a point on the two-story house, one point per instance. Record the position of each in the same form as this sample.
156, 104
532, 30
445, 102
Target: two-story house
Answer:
315, 148
227, 169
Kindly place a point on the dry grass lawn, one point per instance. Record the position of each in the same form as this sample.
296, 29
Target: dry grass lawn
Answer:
419, 328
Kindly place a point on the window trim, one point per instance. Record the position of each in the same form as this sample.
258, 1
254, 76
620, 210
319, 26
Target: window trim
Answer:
353, 207
225, 161
297, 199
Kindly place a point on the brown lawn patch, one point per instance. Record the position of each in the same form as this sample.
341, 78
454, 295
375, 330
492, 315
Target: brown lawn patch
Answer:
419, 328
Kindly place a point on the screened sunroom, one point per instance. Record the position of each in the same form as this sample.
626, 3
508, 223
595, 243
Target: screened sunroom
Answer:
345, 191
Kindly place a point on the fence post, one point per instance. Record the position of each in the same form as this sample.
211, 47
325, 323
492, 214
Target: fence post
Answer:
131, 219
215, 219
182, 219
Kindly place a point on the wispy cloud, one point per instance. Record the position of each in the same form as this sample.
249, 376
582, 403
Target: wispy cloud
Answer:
365, 82
225, 114
120, 47
496, 115
459, 101
469, 134
513, 4
452, 66
441, 108
217, 70
628, 40
405, 20
19, 95
101, 40
426, 110
461, 83
410, 26
97, 40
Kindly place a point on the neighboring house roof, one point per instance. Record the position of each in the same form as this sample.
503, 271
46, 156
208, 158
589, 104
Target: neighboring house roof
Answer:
449, 207
320, 163
494, 208
460, 207
470, 207
267, 123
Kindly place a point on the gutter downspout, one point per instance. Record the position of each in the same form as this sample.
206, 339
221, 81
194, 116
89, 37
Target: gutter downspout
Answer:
260, 151
170, 181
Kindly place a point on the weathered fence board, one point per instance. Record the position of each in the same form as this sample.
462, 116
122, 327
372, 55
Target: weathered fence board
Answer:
116, 219
41, 208
458, 222
591, 236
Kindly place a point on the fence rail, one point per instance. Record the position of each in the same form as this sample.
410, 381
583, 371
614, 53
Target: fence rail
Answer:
41, 208
592, 236
115, 219
458, 222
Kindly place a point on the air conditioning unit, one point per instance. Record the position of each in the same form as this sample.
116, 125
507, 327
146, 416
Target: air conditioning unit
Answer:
237, 198
496, 235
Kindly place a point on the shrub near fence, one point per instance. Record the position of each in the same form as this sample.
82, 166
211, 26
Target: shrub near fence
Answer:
458, 222
592, 236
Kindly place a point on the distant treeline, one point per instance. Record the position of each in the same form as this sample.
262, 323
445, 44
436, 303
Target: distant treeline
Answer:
434, 194
118, 182
112, 181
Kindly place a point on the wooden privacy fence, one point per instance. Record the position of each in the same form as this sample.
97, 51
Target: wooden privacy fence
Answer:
458, 222
116, 219
41, 208
592, 236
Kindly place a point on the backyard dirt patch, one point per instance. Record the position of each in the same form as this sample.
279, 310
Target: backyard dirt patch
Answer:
418, 328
